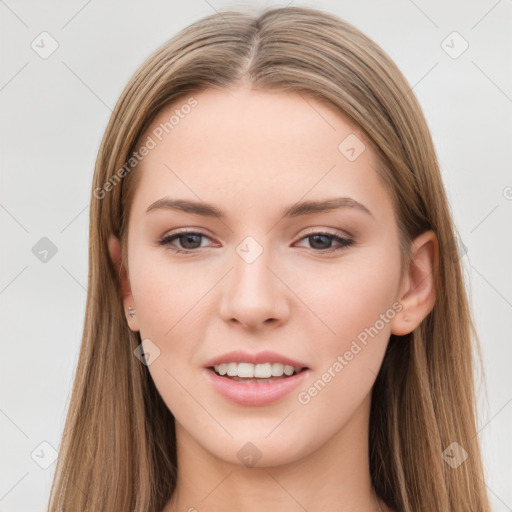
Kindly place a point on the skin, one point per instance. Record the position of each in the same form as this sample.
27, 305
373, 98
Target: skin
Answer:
252, 154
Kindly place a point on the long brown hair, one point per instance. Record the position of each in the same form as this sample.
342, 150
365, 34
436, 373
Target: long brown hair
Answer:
118, 451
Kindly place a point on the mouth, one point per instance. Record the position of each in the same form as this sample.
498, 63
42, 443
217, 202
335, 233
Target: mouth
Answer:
255, 379
256, 373
255, 390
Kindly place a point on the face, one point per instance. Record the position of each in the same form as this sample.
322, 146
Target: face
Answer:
312, 287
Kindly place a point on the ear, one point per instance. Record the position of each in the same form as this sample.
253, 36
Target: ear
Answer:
417, 293
114, 249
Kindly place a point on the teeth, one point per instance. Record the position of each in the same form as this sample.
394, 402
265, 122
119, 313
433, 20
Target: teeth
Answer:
263, 370
277, 369
260, 370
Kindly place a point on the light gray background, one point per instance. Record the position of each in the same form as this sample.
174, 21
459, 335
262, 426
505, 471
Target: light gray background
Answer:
54, 112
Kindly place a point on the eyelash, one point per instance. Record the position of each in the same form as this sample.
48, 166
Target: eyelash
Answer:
166, 241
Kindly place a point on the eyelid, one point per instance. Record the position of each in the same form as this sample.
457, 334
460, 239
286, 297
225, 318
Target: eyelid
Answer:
327, 231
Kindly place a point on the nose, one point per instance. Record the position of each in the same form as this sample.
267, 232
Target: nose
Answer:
254, 295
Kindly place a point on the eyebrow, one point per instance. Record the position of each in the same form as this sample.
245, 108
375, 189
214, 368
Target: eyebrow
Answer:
296, 210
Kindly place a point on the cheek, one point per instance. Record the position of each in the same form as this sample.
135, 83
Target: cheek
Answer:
168, 299
357, 308
165, 293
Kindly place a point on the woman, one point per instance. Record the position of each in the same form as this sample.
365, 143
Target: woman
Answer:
276, 315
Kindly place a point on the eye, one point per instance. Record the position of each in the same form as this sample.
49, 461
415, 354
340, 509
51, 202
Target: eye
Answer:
189, 240
323, 241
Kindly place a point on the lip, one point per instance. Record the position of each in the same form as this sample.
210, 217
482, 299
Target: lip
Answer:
266, 356
254, 393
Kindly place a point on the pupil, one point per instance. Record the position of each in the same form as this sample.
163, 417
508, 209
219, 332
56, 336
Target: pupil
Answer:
326, 240
188, 238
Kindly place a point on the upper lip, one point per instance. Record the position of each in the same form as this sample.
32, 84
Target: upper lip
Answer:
266, 356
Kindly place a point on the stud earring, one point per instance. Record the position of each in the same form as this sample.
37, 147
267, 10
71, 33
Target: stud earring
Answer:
131, 312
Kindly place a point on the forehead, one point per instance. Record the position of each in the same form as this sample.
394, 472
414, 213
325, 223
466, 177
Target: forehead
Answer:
255, 148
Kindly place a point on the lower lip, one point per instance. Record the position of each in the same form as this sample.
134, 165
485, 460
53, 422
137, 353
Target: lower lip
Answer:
254, 393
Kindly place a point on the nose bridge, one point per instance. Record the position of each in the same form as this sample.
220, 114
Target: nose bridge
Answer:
252, 278
253, 293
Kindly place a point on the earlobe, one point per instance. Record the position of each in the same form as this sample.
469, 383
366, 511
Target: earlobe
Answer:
418, 291
114, 249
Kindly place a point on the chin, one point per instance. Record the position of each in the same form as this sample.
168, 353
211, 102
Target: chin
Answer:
257, 451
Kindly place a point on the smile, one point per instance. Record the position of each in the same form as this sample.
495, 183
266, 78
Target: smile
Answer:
256, 372
254, 391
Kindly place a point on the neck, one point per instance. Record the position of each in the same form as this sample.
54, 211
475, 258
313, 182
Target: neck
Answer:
334, 477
